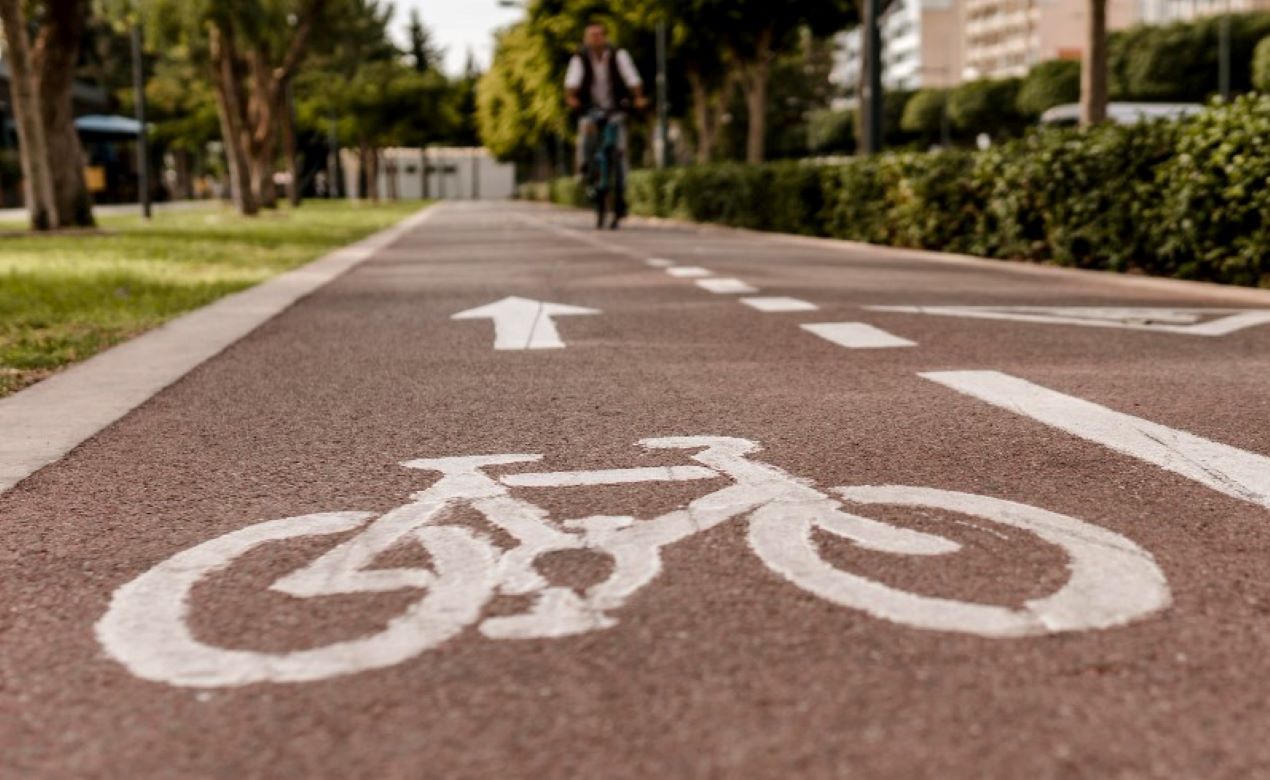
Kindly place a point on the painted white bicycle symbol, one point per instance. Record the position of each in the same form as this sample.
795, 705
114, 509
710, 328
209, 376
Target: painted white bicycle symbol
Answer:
1112, 581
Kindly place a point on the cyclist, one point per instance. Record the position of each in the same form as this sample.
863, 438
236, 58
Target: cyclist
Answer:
601, 81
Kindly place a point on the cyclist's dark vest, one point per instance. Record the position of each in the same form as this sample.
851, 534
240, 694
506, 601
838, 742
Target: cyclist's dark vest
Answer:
621, 93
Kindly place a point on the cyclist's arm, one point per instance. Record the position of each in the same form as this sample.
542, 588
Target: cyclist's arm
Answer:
573, 82
630, 75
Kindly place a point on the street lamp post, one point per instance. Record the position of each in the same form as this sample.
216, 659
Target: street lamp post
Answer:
871, 95
1223, 55
663, 120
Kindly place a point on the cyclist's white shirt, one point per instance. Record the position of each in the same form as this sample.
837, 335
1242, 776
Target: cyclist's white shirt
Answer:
601, 92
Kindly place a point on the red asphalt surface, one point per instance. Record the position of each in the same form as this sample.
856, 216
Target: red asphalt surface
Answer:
719, 667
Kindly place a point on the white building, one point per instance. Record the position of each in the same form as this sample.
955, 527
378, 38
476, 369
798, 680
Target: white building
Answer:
1165, 11
449, 173
921, 47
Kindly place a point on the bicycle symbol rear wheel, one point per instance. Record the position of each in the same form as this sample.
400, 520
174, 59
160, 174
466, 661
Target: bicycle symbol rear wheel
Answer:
147, 629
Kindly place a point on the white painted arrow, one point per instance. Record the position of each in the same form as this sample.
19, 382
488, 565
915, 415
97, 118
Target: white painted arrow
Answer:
521, 323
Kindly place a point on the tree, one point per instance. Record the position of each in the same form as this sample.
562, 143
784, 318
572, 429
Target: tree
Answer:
753, 36
520, 99
1093, 69
423, 54
251, 50
27, 113
43, 74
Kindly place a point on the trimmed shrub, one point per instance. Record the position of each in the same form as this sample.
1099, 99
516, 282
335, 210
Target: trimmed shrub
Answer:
1178, 62
1214, 214
924, 114
1261, 66
1077, 198
832, 132
986, 105
1048, 84
1188, 199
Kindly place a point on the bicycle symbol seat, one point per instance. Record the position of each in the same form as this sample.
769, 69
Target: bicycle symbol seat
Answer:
1112, 581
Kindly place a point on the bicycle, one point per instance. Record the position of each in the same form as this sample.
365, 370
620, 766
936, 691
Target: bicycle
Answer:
146, 627
606, 176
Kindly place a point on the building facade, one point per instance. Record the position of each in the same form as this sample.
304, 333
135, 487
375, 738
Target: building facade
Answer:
921, 47
1165, 11
1004, 38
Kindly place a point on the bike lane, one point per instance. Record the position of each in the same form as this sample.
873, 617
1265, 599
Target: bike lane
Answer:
720, 664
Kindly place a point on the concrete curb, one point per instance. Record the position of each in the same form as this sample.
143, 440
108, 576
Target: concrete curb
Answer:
44, 422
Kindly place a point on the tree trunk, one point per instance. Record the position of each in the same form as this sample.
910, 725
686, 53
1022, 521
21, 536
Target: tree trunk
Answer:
262, 113
372, 174
1093, 71
184, 180
229, 107
755, 75
391, 168
25, 96
287, 117
54, 57
701, 117
708, 109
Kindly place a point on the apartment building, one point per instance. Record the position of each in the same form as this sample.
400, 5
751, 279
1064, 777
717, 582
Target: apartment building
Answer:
1005, 38
935, 43
921, 47
1165, 11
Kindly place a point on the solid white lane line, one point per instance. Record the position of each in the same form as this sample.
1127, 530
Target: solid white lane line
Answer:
857, 335
726, 286
659, 262
779, 304
1184, 321
609, 476
688, 271
1234, 472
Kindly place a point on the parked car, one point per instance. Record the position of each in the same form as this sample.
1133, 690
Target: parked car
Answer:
1122, 113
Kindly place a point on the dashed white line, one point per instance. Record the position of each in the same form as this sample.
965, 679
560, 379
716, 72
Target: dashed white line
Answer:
857, 335
779, 304
659, 262
726, 286
688, 271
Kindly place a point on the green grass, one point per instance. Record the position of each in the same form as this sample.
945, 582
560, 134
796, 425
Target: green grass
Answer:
65, 297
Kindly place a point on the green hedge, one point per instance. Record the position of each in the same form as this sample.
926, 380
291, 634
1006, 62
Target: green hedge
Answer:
1189, 199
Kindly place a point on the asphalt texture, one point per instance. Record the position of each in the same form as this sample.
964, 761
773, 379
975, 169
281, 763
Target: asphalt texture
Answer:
719, 667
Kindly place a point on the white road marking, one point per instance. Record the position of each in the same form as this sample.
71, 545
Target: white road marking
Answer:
521, 323
1234, 472
857, 335
608, 476
778, 304
659, 262
1112, 581
1185, 321
147, 626
726, 286
688, 271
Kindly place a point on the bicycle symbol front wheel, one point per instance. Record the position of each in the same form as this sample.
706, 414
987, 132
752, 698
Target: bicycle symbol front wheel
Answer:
1111, 580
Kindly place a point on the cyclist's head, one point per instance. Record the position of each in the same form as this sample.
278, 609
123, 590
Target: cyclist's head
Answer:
596, 36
